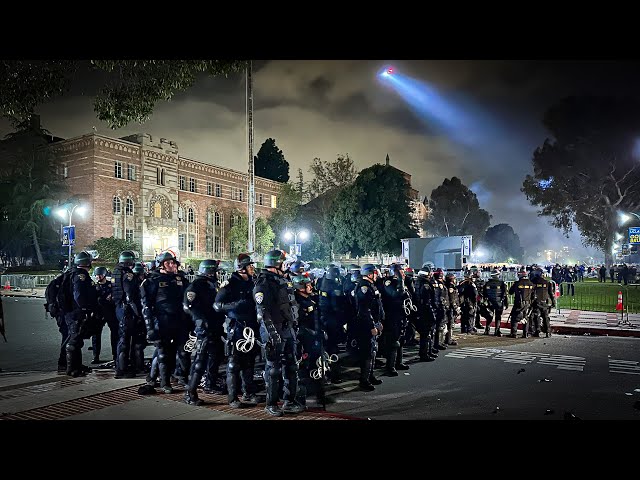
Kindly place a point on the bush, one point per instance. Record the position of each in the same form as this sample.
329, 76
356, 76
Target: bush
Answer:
110, 248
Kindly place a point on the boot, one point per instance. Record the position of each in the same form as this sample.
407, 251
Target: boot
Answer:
273, 410
292, 407
391, 363
95, 360
487, 329
366, 386
191, 398
399, 364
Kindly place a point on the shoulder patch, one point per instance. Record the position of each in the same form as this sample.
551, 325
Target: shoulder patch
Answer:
259, 297
387, 283
82, 277
364, 289
129, 276
191, 296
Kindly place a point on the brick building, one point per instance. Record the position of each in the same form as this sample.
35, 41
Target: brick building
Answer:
139, 187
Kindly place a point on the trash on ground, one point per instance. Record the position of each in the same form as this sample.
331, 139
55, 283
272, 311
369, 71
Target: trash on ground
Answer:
549, 411
521, 370
627, 393
637, 390
407, 373
571, 416
496, 410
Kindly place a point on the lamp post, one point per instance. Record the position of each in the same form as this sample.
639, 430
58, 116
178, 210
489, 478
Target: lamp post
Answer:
303, 234
65, 210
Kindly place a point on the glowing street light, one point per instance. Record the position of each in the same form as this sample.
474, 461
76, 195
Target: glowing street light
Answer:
68, 209
302, 234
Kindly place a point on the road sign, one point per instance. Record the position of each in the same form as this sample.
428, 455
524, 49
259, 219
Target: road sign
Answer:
69, 236
634, 235
466, 245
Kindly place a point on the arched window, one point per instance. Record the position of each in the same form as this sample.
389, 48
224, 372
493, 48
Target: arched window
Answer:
116, 205
180, 214
157, 210
209, 218
190, 213
129, 207
217, 219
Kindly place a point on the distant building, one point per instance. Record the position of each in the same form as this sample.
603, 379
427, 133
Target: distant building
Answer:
139, 188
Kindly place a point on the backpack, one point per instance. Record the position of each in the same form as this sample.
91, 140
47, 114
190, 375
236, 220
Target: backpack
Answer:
51, 296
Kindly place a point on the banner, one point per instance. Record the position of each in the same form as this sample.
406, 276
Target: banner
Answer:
69, 236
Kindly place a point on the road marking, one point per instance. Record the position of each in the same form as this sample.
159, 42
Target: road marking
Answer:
628, 367
562, 362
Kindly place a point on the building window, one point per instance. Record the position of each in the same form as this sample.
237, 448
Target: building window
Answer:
209, 218
117, 232
192, 185
182, 241
129, 207
218, 190
183, 185
118, 170
160, 176
209, 243
65, 171
274, 201
191, 242
234, 220
241, 194
260, 199
209, 188
180, 214
157, 210
216, 244
116, 206
217, 219
190, 214
131, 172
129, 234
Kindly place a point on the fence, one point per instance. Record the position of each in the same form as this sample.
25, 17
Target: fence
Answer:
27, 282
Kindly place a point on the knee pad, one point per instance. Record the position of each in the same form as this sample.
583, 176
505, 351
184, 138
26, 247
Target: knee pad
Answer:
233, 364
70, 348
275, 372
162, 358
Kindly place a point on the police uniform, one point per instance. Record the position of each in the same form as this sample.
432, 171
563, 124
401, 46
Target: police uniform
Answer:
495, 293
107, 314
370, 315
311, 337
543, 299
126, 296
394, 299
78, 309
522, 290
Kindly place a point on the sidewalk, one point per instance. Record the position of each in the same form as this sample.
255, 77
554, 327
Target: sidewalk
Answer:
28, 292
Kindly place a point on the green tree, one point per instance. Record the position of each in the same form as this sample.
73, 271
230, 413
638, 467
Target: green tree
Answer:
374, 213
239, 235
330, 176
286, 213
315, 249
131, 89
109, 248
29, 185
503, 243
270, 162
588, 171
455, 210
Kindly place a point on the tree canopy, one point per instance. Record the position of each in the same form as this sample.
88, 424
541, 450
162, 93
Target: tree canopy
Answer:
270, 162
132, 88
503, 243
588, 171
329, 176
374, 213
239, 235
110, 248
455, 210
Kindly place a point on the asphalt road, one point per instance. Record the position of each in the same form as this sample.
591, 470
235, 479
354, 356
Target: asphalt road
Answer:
489, 378
33, 341
483, 378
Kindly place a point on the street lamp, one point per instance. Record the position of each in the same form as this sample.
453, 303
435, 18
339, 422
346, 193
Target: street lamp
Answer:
303, 234
625, 217
65, 210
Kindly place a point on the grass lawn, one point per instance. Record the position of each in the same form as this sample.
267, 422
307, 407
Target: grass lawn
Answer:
600, 297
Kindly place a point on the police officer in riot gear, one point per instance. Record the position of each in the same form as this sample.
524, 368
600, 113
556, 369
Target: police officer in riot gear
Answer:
106, 313
332, 304
426, 321
79, 304
126, 296
348, 287
522, 289
494, 292
235, 299
469, 298
314, 363
481, 306
199, 298
368, 325
166, 323
453, 310
543, 300
395, 299
277, 312
440, 302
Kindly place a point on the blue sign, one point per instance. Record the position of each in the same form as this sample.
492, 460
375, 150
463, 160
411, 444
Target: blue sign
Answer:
69, 236
634, 235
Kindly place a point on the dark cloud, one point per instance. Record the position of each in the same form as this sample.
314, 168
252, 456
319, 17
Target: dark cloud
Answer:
325, 108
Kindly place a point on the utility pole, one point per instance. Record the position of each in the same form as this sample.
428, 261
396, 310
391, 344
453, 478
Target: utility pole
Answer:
252, 188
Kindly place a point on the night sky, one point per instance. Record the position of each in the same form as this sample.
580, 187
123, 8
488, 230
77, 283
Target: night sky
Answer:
325, 108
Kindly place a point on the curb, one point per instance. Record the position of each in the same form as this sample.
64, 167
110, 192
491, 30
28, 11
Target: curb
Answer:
575, 330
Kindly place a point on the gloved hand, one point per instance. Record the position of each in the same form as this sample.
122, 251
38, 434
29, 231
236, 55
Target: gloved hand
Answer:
153, 335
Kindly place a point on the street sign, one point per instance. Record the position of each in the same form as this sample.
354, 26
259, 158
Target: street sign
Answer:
405, 248
295, 249
466, 245
69, 236
634, 235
